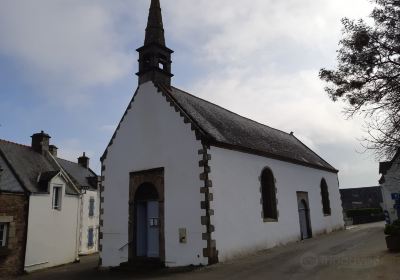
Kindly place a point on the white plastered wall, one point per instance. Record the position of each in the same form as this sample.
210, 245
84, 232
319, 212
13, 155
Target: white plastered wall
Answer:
239, 226
89, 222
391, 185
153, 135
52, 234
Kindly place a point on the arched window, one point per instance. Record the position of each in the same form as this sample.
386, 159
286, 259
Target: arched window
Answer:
326, 205
268, 195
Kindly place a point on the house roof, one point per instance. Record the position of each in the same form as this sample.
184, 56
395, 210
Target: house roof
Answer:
84, 177
32, 169
386, 165
220, 127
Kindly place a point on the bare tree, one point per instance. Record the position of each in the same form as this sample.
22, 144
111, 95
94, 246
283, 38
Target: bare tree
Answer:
367, 76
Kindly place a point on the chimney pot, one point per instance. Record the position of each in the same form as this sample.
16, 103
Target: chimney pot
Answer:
40, 142
53, 150
83, 161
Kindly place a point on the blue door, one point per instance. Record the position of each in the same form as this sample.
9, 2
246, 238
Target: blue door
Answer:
141, 234
153, 230
148, 229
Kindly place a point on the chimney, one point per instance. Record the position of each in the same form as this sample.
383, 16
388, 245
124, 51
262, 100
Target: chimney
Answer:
53, 150
40, 142
83, 161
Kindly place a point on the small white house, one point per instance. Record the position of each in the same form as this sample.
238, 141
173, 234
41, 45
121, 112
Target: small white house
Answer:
51, 212
53, 226
87, 181
186, 182
390, 185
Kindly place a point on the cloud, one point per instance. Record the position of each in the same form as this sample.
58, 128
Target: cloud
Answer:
66, 47
235, 32
259, 58
262, 61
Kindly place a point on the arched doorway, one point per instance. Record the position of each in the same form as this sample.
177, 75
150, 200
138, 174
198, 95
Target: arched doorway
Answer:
304, 218
146, 215
147, 221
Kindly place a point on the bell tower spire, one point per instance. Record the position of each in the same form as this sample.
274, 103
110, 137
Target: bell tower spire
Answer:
154, 57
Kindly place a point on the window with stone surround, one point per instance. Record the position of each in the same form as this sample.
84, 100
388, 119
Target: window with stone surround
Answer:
326, 205
268, 191
4, 229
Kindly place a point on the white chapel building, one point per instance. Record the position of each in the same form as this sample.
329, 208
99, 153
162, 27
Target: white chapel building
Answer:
186, 182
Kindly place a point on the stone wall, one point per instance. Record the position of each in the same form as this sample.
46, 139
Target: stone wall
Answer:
13, 210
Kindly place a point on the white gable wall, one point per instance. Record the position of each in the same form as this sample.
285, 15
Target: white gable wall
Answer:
89, 222
154, 135
391, 185
52, 234
239, 226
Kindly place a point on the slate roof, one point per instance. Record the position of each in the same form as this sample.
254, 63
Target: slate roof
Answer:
385, 166
8, 181
34, 170
84, 177
220, 127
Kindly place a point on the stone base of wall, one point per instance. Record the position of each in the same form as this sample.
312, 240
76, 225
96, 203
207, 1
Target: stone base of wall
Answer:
13, 210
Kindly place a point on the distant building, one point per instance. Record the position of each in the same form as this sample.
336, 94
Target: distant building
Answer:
187, 182
44, 207
390, 183
358, 198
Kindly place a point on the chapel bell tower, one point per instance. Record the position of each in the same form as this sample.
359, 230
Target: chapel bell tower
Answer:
154, 57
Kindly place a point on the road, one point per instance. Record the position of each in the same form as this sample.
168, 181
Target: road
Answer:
357, 253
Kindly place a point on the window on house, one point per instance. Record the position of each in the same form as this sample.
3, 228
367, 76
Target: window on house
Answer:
326, 205
90, 237
57, 194
3, 234
268, 191
91, 207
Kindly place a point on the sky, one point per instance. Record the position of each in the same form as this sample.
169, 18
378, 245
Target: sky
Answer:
68, 68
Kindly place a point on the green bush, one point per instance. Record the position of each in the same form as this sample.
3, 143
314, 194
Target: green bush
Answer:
393, 229
363, 212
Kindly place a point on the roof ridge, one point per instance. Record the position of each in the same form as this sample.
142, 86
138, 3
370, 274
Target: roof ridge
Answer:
14, 143
229, 111
66, 160
70, 161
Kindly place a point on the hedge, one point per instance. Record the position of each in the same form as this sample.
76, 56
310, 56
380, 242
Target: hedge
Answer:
364, 212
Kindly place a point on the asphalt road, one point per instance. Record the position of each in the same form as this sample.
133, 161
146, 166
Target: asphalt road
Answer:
357, 253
